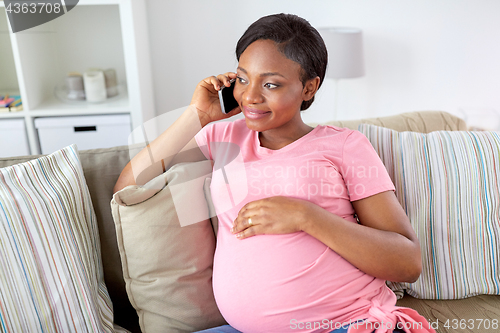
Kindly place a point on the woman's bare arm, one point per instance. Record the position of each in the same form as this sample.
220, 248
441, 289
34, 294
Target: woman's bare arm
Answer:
177, 143
383, 245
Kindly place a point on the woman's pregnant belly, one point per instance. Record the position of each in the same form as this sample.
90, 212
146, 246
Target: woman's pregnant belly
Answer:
271, 283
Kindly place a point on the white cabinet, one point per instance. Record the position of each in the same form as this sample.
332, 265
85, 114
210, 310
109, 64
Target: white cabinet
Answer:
13, 139
87, 132
95, 34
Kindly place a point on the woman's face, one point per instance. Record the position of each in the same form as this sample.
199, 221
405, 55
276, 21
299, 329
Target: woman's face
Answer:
268, 88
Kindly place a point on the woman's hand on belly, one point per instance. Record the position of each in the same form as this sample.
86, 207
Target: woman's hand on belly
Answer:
274, 215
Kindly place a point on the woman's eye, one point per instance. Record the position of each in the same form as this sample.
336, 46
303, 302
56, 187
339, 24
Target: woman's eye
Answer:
271, 85
241, 80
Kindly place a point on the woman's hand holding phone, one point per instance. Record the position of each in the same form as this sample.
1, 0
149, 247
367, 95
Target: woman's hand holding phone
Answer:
206, 98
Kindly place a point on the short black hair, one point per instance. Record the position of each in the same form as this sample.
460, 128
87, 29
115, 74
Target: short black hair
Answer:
296, 39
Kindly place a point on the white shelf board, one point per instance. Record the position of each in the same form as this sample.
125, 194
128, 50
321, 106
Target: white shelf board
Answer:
18, 114
76, 112
54, 107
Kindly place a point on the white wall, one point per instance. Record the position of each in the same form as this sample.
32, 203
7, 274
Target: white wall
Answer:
419, 54
8, 77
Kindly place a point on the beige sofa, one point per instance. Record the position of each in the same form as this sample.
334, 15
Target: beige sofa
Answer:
103, 166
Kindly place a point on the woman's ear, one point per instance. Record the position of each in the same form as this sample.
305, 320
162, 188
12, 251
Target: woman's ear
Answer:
310, 88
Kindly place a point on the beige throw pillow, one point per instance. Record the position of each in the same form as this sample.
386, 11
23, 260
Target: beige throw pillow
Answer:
168, 267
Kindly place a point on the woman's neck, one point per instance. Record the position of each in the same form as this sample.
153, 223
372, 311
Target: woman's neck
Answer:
278, 138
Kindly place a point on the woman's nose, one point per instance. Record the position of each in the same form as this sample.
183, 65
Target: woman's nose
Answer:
252, 94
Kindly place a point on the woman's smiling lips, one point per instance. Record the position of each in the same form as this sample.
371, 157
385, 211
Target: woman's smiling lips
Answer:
254, 113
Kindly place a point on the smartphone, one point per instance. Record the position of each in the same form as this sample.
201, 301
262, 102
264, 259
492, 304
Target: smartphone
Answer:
226, 98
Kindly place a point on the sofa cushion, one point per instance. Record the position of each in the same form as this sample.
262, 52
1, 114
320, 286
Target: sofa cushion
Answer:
102, 168
166, 257
474, 314
448, 183
50, 260
421, 121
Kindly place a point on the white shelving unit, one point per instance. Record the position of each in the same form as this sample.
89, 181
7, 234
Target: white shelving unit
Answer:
94, 34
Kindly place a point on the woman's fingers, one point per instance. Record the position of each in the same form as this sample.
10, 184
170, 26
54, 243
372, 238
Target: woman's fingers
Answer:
246, 227
223, 79
206, 100
220, 80
242, 223
249, 216
274, 215
226, 78
249, 232
214, 82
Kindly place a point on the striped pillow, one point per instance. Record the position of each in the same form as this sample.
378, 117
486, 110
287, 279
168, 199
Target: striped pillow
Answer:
448, 183
51, 277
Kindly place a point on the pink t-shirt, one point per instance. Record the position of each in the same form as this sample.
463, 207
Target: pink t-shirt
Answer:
293, 282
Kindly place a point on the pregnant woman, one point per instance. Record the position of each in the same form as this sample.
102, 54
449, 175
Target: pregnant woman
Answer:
319, 229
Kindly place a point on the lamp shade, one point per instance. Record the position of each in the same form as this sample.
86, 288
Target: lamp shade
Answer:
345, 52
